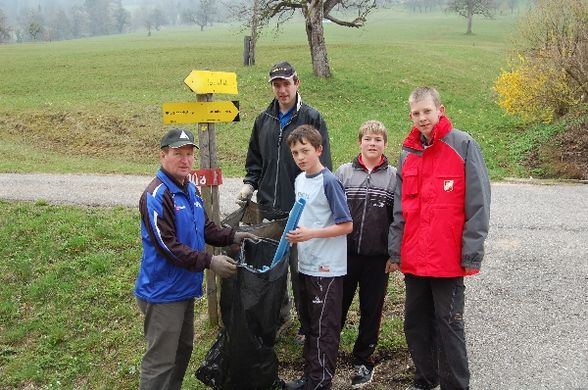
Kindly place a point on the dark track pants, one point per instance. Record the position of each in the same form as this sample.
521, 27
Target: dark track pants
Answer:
291, 301
367, 272
169, 330
434, 330
320, 316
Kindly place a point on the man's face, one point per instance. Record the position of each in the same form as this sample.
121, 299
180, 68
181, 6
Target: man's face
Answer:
178, 161
425, 115
285, 91
372, 145
306, 156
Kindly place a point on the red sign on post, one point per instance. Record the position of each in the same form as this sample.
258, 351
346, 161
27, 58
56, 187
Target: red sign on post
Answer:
207, 177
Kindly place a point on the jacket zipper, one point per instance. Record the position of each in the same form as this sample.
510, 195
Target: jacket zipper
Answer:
274, 204
277, 168
363, 212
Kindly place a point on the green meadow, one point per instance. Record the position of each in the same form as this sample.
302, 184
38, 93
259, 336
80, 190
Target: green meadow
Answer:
67, 314
94, 105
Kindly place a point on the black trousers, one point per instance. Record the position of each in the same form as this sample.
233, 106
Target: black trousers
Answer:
368, 273
320, 316
434, 330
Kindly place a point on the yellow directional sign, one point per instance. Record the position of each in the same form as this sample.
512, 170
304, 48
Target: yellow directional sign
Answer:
200, 112
204, 81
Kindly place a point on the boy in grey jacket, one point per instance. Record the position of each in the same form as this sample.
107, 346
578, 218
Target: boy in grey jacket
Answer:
369, 183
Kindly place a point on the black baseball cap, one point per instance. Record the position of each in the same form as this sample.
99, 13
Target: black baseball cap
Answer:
177, 137
283, 70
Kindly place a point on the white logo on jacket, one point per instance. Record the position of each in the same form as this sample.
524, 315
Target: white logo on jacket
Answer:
448, 185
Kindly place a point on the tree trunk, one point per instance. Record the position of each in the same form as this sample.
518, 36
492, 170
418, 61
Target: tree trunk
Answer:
254, 33
470, 17
316, 38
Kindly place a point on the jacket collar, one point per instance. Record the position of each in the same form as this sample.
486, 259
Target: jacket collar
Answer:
170, 182
274, 107
441, 129
358, 163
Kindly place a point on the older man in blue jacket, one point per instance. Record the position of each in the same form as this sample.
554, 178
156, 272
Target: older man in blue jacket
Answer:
174, 230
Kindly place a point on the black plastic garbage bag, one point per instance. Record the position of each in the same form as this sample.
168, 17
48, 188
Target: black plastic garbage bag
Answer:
243, 355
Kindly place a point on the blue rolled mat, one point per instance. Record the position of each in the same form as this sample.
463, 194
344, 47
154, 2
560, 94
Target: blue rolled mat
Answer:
291, 224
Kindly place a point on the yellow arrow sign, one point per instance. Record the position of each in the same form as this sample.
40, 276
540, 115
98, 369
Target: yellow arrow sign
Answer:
204, 81
200, 112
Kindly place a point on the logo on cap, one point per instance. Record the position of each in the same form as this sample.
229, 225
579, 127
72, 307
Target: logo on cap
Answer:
184, 135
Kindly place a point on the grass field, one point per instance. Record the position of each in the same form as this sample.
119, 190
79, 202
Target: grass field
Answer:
67, 314
94, 105
68, 318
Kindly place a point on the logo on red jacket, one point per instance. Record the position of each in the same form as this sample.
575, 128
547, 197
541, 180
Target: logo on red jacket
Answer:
448, 185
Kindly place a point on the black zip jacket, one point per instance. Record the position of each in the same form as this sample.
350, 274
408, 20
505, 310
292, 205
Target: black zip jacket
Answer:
271, 170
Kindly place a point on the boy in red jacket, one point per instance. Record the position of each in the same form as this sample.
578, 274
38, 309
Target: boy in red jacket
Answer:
441, 219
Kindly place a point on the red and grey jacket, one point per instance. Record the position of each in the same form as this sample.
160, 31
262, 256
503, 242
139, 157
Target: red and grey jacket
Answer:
441, 204
370, 196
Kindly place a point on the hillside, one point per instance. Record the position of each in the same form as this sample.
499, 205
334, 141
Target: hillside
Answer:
94, 105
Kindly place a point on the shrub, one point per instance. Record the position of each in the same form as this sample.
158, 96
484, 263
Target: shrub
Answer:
550, 78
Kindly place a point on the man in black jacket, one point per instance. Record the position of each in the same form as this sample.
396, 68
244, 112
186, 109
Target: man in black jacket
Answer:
271, 170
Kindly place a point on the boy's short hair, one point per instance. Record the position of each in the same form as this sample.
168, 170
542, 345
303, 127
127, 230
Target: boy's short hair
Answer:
374, 127
422, 93
305, 132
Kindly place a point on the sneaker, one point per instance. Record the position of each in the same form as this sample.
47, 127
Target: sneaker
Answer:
362, 377
297, 384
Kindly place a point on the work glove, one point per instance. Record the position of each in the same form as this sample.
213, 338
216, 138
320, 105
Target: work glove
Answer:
240, 236
244, 195
223, 266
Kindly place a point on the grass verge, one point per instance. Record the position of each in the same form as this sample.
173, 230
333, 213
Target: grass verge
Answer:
68, 318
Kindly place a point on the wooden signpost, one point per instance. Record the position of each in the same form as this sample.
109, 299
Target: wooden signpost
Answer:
205, 113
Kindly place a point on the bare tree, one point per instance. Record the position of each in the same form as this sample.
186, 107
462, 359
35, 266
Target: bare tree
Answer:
121, 17
5, 29
151, 18
59, 26
469, 8
203, 15
255, 29
79, 21
248, 12
315, 12
99, 16
32, 24
555, 34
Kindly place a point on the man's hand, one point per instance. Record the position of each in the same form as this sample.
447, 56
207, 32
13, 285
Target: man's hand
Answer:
240, 236
223, 266
245, 194
391, 267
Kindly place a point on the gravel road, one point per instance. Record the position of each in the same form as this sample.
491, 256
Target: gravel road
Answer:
526, 313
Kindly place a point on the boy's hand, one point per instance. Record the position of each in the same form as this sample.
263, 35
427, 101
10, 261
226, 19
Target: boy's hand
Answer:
391, 267
300, 234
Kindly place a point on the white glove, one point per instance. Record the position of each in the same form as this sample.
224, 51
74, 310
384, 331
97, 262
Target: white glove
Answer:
245, 194
223, 266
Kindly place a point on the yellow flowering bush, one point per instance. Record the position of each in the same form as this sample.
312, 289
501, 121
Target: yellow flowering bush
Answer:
535, 93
